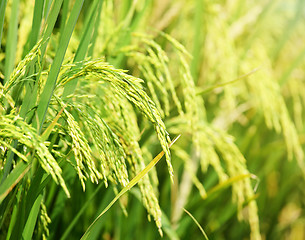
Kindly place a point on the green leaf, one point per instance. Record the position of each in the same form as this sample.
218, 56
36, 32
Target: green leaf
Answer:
2, 11
58, 59
11, 41
31, 221
133, 182
84, 43
197, 223
13, 178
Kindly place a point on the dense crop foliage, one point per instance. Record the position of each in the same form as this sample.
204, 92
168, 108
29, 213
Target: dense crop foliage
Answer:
93, 93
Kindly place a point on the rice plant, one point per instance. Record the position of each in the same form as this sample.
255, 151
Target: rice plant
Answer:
94, 93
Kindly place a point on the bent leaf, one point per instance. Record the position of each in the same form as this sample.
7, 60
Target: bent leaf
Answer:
133, 182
